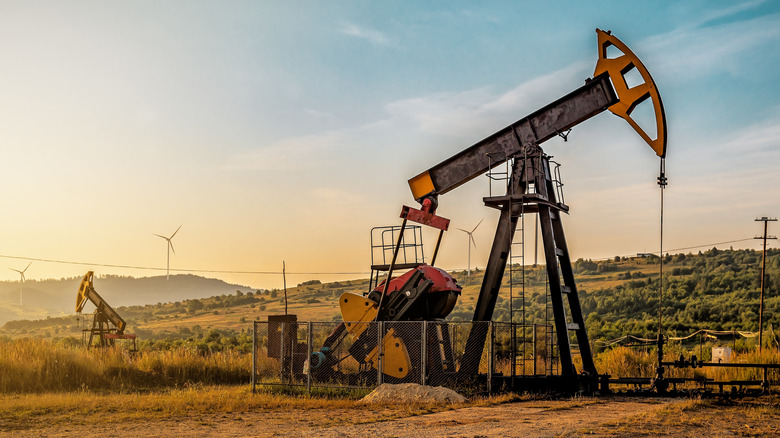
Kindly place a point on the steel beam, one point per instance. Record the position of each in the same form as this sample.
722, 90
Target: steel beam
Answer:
583, 103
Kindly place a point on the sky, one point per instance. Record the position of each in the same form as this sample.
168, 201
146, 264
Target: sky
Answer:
284, 131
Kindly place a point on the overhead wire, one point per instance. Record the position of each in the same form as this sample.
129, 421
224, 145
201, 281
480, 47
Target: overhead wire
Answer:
706, 245
223, 271
152, 268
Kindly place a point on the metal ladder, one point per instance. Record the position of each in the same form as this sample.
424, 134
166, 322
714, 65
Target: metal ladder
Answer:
543, 201
516, 262
561, 279
516, 280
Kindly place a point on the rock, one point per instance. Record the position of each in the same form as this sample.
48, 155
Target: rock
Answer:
412, 392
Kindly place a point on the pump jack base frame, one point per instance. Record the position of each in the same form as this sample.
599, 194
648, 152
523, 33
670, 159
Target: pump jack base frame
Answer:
532, 171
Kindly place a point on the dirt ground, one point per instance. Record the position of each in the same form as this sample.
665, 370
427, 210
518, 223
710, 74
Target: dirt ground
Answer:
614, 416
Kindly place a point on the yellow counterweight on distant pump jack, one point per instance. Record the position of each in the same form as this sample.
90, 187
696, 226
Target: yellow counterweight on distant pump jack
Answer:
104, 314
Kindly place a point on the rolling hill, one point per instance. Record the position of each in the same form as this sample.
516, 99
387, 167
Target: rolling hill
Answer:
716, 289
52, 297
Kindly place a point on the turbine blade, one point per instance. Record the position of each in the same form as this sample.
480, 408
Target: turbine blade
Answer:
462, 230
160, 236
15, 270
28, 265
473, 241
177, 230
480, 221
171, 245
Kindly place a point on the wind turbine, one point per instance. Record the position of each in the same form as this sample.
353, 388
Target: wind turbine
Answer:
21, 281
170, 248
471, 240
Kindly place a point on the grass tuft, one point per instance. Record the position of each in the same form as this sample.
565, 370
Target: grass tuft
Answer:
29, 365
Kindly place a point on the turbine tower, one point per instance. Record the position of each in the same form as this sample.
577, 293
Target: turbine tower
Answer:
470, 241
170, 248
21, 281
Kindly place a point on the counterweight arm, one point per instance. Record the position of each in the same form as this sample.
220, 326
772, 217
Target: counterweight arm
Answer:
87, 292
607, 90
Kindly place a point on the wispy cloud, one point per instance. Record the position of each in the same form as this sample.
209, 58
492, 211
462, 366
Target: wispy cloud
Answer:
754, 148
473, 113
318, 114
472, 15
728, 11
464, 114
733, 173
477, 110
460, 16
372, 35
325, 149
300, 152
691, 52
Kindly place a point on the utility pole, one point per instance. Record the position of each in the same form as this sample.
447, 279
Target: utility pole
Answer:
766, 221
284, 277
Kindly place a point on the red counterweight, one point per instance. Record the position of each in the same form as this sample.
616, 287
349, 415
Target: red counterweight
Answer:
423, 293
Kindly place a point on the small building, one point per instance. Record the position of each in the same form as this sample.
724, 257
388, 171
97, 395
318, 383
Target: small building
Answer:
721, 354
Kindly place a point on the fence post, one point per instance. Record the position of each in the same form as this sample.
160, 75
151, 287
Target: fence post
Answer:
765, 382
381, 369
281, 353
513, 349
490, 357
533, 342
308, 356
254, 354
549, 347
701, 346
424, 353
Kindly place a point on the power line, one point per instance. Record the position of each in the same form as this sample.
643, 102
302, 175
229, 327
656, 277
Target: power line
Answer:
221, 271
151, 268
713, 244
706, 245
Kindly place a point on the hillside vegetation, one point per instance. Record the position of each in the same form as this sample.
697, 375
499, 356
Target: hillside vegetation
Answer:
53, 297
715, 289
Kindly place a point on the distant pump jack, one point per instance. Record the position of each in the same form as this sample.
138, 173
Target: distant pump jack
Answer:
21, 281
470, 242
170, 248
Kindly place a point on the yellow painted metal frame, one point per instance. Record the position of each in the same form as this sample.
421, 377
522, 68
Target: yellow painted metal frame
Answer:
81, 296
357, 313
87, 292
631, 97
421, 185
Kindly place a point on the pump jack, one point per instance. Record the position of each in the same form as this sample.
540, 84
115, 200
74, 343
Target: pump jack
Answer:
104, 314
530, 189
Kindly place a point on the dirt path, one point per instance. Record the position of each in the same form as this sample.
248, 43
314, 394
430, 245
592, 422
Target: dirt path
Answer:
533, 418
516, 419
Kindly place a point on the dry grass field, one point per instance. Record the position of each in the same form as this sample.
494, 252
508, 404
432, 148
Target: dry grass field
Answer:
48, 389
51, 387
235, 411
54, 390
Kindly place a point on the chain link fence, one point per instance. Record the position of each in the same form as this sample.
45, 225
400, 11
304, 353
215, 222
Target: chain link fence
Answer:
366, 354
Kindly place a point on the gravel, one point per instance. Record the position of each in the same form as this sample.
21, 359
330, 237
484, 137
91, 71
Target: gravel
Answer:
412, 392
